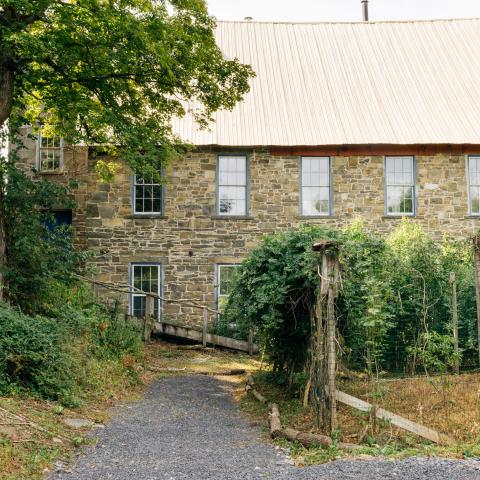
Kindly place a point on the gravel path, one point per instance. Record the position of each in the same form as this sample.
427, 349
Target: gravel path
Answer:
187, 428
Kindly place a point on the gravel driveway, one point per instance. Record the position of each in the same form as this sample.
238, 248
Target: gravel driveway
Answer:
188, 428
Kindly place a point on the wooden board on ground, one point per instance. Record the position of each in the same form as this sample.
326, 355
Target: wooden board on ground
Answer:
396, 420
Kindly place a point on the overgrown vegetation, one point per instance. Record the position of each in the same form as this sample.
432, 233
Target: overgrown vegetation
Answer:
394, 308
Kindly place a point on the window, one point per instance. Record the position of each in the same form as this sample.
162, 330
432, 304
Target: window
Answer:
400, 185
316, 186
224, 284
49, 153
147, 278
474, 185
147, 196
59, 219
232, 185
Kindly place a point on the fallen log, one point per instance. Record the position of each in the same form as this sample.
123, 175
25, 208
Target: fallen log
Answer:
275, 424
250, 380
396, 420
256, 394
307, 439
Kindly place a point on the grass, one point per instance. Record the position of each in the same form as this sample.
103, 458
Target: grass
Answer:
449, 404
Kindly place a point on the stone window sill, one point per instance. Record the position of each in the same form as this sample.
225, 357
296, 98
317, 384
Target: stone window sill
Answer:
59, 172
475, 217
231, 217
149, 217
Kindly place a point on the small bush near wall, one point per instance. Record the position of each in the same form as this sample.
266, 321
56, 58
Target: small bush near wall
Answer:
393, 307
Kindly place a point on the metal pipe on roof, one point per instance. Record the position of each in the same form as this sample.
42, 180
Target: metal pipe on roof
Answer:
365, 10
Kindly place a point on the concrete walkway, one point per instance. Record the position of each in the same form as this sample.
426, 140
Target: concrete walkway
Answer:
189, 428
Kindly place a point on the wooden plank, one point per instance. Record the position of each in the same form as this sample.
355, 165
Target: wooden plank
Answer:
195, 334
396, 420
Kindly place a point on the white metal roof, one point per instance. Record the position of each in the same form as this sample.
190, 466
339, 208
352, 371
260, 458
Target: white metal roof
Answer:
350, 83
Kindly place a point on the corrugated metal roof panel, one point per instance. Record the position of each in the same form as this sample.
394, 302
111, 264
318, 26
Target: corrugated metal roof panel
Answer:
350, 83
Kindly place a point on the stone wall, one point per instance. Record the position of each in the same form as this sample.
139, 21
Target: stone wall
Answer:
189, 240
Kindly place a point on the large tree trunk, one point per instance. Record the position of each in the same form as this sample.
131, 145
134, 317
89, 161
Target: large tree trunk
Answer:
6, 93
6, 103
3, 257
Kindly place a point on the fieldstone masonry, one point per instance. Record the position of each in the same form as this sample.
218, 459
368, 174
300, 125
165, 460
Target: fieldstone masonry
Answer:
190, 239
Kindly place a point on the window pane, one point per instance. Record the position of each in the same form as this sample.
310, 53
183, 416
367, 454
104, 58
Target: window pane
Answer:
148, 196
315, 200
474, 184
232, 185
400, 185
315, 185
145, 278
232, 200
139, 304
225, 274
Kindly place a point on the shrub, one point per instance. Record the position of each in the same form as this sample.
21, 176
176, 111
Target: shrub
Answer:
34, 357
52, 357
395, 293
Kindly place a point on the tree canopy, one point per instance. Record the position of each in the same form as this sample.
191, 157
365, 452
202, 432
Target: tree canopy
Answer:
114, 72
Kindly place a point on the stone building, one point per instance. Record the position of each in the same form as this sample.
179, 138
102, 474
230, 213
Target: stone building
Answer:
344, 120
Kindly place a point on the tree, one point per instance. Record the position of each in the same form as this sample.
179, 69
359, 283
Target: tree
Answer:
113, 72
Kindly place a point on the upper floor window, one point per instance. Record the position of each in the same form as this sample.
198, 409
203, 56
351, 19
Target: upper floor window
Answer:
225, 273
147, 196
400, 185
145, 278
316, 186
232, 185
474, 184
49, 153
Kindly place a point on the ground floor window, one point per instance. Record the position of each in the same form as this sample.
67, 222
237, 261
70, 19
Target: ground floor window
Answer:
145, 277
224, 274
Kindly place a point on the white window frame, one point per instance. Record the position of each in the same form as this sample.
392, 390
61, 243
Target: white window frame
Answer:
218, 270
134, 294
470, 185
329, 186
245, 186
134, 198
412, 185
39, 154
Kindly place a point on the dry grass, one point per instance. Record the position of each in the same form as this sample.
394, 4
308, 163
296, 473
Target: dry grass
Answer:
165, 355
449, 404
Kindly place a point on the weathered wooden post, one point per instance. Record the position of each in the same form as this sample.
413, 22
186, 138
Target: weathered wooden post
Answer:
476, 256
148, 317
250, 341
453, 283
205, 326
325, 354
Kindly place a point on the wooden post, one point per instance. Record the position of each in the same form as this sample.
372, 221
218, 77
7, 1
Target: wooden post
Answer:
148, 317
250, 342
331, 359
476, 253
205, 325
453, 283
325, 351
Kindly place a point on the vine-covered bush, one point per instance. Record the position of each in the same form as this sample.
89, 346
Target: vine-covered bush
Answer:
52, 357
394, 300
